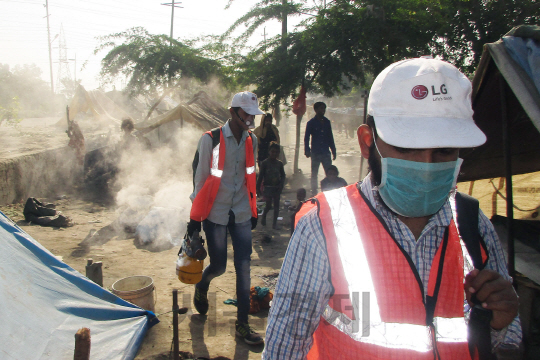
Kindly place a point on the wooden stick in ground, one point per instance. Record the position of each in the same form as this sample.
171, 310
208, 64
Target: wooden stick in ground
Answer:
176, 350
82, 344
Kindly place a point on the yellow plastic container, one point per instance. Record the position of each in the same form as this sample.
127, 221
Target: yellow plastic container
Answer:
189, 270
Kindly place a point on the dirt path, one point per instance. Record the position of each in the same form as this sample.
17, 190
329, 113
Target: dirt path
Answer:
95, 236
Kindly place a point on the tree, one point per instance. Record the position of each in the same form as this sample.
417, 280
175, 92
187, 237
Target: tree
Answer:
469, 24
339, 46
350, 39
10, 113
24, 94
264, 11
69, 87
152, 63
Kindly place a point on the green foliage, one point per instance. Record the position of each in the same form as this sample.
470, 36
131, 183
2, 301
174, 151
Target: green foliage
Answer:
340, 46
152, 62
350, 40
469, 24
214, 48
264, 11
10, 114
24, 94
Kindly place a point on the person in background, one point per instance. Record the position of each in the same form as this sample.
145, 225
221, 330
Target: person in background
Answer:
300, 198
266, 132
224, 201
129, 139
332, 180
394, 267
319, 130
272, 176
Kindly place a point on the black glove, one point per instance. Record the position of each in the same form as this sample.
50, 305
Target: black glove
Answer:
192, 226
253, 222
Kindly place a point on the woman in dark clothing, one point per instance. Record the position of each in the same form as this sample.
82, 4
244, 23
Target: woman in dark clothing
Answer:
266, 133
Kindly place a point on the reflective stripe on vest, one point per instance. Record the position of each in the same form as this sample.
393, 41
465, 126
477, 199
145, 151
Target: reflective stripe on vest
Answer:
358, 316
251, 177
214, 169
204, 200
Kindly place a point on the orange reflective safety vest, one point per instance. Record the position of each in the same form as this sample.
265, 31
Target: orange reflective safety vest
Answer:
202, 204
378, 309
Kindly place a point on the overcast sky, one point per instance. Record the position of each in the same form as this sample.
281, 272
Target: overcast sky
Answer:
23, 28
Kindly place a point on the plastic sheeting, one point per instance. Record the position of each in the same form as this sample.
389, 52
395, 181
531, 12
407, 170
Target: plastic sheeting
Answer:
498, 73
526, 52
44, 303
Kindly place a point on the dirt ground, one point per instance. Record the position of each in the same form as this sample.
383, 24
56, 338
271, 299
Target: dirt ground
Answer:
94, 236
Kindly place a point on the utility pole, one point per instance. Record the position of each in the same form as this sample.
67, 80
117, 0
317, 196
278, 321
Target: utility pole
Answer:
172, 5
49, 36
264, 34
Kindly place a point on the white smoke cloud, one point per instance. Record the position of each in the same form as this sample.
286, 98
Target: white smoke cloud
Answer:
158, 181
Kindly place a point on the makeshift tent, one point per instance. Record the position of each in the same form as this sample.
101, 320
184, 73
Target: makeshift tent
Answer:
96, 103
201, 111
44, 303
506, 105
503, 89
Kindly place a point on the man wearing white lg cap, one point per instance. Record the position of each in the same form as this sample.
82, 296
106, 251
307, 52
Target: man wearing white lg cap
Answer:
224, 199
390, 267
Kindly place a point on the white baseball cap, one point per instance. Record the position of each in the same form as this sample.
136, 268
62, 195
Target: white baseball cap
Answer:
424, 103
248, 102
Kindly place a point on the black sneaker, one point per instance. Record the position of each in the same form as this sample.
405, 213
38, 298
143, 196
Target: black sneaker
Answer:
249, 335
200, 300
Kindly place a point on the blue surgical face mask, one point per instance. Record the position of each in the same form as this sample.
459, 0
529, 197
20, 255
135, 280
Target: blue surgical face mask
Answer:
416, 189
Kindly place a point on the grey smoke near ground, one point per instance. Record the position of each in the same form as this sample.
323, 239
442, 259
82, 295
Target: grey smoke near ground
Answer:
159, 178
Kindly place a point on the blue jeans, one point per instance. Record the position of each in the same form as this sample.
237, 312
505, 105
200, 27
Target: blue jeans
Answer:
316, 160
216, 237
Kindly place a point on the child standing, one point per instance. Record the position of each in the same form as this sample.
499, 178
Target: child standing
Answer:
272, 175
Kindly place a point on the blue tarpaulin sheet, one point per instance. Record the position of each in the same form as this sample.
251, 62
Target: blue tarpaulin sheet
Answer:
44, 302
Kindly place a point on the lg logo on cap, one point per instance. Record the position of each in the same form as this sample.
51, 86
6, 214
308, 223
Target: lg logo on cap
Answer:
420, 92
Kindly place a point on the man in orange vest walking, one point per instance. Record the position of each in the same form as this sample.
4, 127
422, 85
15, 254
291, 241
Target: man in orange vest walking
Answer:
224, 200
387, 268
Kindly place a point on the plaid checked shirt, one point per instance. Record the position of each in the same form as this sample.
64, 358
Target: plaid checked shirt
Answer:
303, 288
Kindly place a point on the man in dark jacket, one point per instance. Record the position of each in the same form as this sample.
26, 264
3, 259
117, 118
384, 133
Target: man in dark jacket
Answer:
322, 142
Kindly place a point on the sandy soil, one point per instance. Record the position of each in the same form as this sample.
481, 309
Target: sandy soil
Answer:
95, 236
35, 135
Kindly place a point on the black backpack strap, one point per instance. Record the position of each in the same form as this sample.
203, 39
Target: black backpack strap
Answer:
216, 136
467, 209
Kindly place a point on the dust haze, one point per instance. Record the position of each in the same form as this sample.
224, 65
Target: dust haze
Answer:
154, 189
